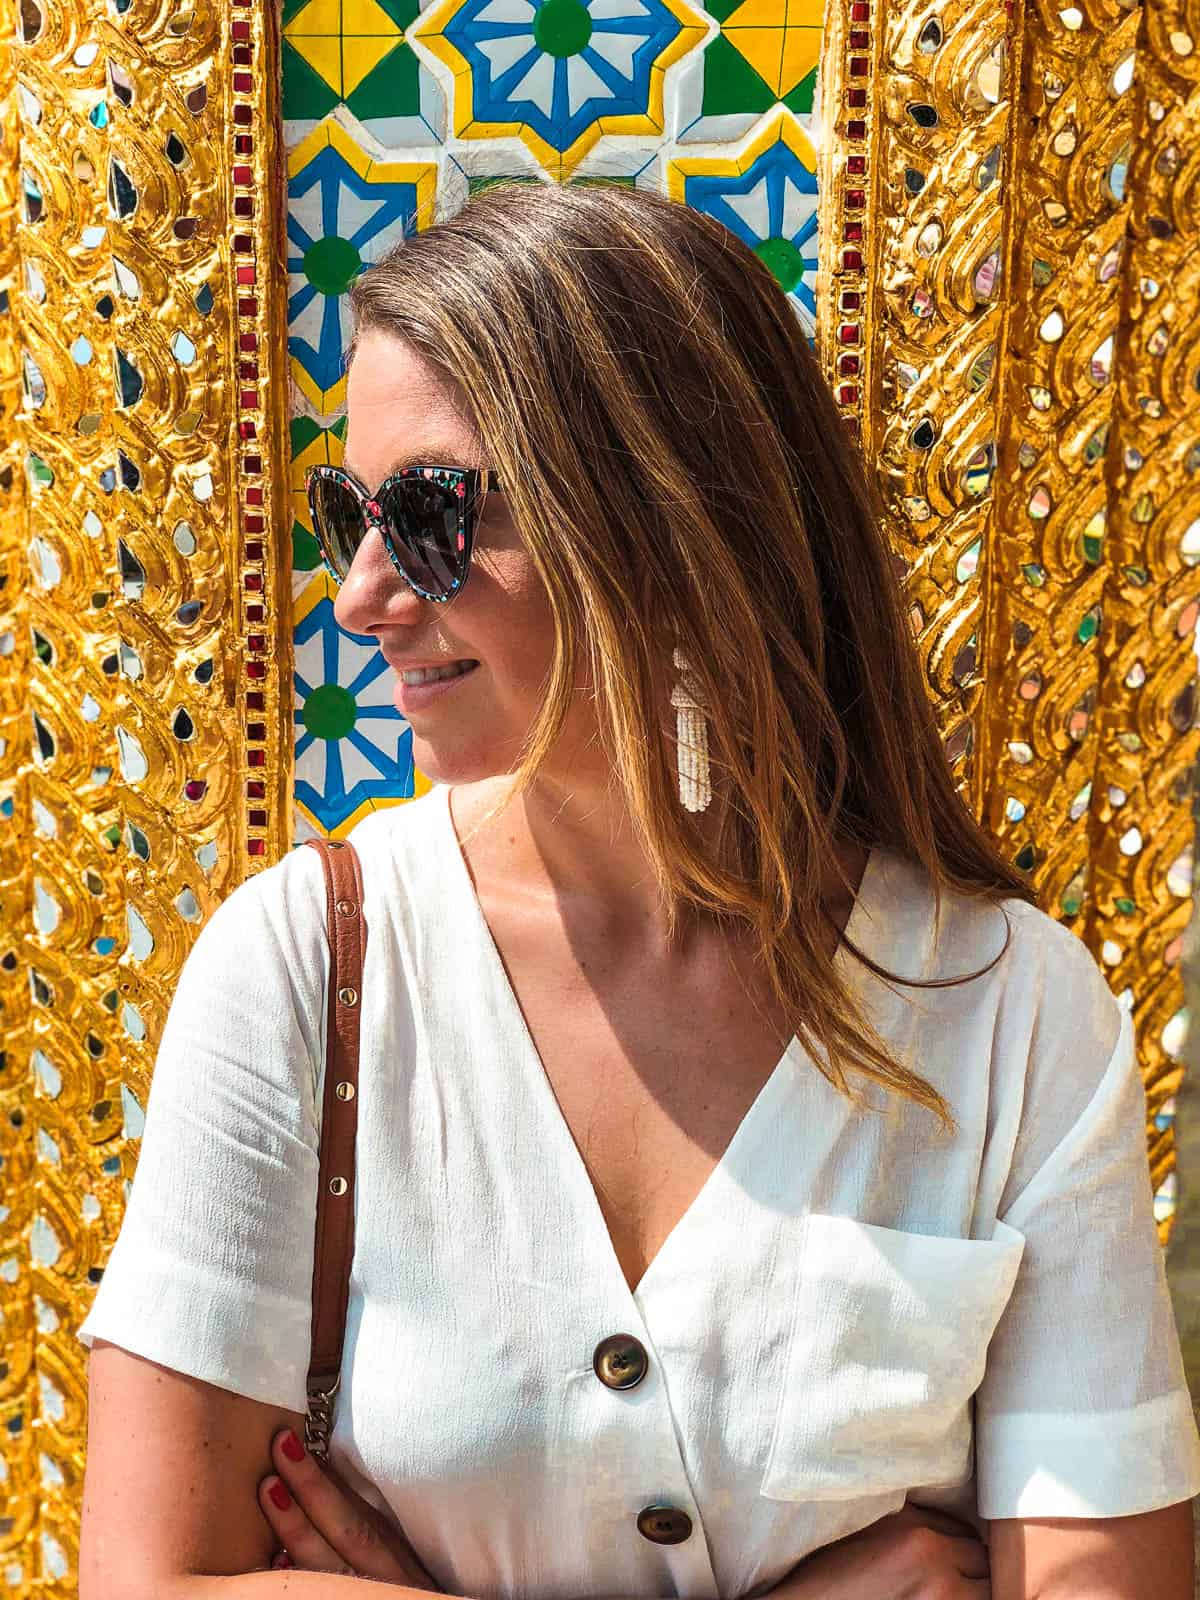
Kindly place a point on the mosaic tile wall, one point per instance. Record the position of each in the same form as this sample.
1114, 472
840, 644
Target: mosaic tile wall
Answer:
985, 218
386, 105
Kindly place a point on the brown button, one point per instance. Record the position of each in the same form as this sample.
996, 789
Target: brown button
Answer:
664, 1524
620, 1361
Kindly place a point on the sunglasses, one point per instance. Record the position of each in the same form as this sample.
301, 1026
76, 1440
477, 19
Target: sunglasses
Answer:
426, 515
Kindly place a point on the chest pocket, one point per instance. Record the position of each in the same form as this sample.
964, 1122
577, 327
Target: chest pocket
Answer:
887, 1345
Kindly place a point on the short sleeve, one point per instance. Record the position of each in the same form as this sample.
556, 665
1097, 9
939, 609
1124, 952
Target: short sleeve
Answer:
1084, 1409
211, 1271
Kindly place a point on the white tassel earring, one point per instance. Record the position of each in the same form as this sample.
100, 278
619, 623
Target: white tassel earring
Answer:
691, 748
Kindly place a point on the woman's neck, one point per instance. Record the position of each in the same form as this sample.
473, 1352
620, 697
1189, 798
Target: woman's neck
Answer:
578, 845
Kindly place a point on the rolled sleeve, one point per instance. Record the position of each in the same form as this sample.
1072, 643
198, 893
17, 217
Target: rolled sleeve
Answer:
1084, 1408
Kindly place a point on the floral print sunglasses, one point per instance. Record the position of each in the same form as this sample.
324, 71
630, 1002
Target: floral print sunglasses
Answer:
426, 516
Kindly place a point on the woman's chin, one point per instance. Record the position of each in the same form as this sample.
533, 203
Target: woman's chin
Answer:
454, 761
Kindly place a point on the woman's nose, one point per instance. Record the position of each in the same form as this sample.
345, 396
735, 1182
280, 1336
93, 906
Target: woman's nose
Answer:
374, 592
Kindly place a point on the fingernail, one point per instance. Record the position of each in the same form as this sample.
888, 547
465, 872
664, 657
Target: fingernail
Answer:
279, 1494
291, 1446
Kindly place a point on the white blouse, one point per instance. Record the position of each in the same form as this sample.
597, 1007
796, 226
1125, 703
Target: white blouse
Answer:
856, 1308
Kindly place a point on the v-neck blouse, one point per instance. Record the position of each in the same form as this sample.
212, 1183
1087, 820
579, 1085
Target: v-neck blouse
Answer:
556, 1141
856, 1308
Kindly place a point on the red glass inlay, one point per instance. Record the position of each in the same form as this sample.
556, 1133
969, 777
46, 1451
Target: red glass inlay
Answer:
256, 789
860, 39
852, 232
256, 818
848, 366
256, 641
856, 199
196, 789
254, 847
255, 614
255, 700
256, 669
852, 260
856, 128
256, 758
856, 166
847, 394
851, 300
253, 581
848, 333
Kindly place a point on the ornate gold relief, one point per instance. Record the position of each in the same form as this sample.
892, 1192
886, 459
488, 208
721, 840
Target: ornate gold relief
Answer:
1141, 838
1026, 384
142, 245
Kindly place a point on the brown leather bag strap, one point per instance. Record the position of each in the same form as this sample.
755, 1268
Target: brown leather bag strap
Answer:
334, 1243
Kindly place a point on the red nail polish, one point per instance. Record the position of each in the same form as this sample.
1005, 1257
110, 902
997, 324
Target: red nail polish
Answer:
291, 1446
279, 1494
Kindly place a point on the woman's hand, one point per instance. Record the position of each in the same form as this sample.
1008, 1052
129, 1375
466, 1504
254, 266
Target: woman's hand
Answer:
914, 1554
323, 1526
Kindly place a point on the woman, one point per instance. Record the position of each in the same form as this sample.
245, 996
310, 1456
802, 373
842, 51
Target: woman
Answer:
751, 1184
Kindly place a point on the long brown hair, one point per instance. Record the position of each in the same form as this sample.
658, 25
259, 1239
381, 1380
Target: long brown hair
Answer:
677, 468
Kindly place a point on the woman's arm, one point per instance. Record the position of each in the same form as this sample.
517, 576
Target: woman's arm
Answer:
264, 1585
922, 1553
171, 1497
297, 1585
170, 1486
1102, 1558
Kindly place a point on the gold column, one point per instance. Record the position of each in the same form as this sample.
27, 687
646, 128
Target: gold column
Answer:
144, 247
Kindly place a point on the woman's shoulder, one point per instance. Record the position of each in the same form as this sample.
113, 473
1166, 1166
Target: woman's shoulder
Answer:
289, 895
1050, 957
974, 927
1052, 1017
1002, 965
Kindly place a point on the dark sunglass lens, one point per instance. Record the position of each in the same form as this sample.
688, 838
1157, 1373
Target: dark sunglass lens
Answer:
338, 522
425, 520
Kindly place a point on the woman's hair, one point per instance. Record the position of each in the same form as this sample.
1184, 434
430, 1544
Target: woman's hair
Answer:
676, 466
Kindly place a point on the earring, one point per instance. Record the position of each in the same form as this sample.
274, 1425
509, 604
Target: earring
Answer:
691, 747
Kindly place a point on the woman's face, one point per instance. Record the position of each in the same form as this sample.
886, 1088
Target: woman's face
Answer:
400, 413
